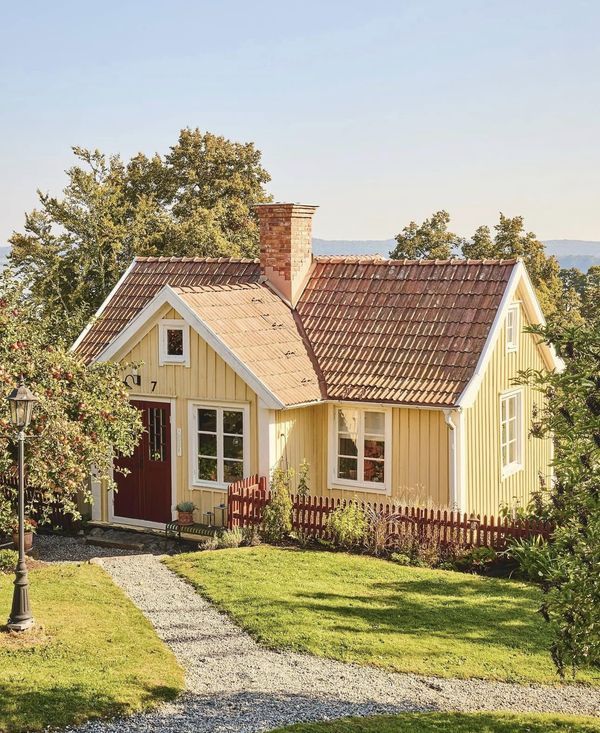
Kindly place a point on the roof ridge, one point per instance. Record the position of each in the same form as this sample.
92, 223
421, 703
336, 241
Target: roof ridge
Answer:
379, 260
240, 260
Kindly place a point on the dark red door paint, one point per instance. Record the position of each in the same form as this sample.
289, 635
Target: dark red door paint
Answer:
145, 493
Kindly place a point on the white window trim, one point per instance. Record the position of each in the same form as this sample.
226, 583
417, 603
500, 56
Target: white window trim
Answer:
195, 482
168, 324
513, 310
361, 486
518, 465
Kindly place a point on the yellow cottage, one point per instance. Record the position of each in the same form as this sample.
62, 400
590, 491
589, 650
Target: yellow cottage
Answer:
394, 380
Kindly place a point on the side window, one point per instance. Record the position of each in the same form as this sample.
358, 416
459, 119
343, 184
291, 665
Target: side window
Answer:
513, 328
511, 433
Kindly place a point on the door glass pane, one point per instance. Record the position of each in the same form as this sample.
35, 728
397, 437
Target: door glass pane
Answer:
207, 420
207, 469
233, 422
233, 446
157, 434
175, 341
233, 470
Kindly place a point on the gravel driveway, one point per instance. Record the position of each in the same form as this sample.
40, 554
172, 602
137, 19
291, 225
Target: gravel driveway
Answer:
233, 684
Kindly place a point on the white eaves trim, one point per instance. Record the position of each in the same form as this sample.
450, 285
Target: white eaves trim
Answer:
518, 276
167, 296
100, 310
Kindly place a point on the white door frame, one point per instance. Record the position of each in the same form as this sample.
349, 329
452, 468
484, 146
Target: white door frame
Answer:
115, 519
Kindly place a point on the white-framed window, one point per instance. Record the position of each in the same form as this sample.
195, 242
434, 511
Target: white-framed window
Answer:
511, 432
174, 342
219, 444
360, 448
512, 327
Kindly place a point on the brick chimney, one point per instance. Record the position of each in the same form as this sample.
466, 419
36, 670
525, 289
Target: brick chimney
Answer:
286, 246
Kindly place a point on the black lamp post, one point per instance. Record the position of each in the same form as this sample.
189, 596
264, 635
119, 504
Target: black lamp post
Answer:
21, 401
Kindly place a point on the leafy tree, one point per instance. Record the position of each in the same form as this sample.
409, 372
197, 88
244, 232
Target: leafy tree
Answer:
569, 567
511, 240
429, 240
83, 415
590, 296
194, 201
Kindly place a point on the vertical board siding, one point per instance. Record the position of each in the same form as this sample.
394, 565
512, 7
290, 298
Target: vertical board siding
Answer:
208, 377
419, 454
486, 489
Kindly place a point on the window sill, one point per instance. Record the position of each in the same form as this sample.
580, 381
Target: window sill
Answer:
510, 470
213, 486
360, 487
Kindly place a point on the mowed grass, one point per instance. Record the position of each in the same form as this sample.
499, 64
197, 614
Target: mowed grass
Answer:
94, 654
369, 611
455, 722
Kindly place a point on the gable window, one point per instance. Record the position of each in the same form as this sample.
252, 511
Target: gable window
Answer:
512, 328
173, 342
361, 454
219, 444
511, 432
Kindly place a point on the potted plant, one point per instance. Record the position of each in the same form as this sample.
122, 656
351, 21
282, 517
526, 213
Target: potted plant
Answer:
185, 512
30, 528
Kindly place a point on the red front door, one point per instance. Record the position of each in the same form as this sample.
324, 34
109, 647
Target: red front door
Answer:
145, 493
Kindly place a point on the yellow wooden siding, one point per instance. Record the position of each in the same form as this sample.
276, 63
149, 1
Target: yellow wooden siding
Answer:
486, 489
419, 454
207, 378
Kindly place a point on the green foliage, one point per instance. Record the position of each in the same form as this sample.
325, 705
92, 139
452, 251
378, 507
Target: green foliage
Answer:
347, 525
534, 556
186, 506
571, 566
277, 515
429, 240
476, 559
378, 530
401, 558
303, 488
8, 560
195, 200
251, 536
83, 415
7, 512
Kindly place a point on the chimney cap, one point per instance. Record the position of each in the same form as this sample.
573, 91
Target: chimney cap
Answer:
285, 203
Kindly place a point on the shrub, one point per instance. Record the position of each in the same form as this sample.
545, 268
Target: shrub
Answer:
8, 560
186, 506
401, 558
212, 543
347, 525
378, 531
277, 515
533, 556
303, 479
251, 536
476, 559
231, 538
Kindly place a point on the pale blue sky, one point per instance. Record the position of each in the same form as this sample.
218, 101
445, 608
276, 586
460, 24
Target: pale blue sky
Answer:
380, 112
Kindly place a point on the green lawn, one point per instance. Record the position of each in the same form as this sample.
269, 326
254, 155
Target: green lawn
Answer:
361, 609
94, 655
455, 722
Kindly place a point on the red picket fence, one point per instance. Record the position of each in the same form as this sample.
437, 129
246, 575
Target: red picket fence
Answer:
247, 498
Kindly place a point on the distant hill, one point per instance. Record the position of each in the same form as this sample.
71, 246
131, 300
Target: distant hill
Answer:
569, 252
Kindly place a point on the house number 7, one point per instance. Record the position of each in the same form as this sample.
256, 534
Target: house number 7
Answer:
153, 383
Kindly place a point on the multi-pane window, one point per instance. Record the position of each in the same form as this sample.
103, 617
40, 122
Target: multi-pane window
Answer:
360, 446
157, 433
511, 438
220, 444
174, 336
512, 328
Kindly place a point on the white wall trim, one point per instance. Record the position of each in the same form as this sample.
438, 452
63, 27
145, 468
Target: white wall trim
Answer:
116, 519
101, 309
168, 296
457, 457
267, 441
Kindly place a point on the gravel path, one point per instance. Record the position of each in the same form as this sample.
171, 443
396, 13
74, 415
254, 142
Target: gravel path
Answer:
233, 684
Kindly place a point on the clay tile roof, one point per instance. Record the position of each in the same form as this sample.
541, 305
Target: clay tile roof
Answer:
262, 332
146, 277
365, 328
400, 330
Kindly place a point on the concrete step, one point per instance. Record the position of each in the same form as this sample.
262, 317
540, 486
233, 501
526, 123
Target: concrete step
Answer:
120, 543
